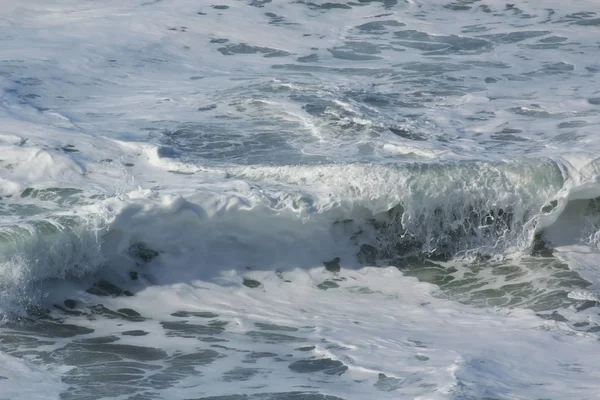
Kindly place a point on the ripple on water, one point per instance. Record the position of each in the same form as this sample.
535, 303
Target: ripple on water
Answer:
273, 396
239, 374
198, 314
184, 329
325, 365
243, 48
379, 27
274, 327
270, 337
441, 45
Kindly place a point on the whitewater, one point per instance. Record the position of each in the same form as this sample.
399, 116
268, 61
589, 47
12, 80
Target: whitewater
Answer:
316, 200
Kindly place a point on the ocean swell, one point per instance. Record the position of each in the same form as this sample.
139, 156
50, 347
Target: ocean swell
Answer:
290, 217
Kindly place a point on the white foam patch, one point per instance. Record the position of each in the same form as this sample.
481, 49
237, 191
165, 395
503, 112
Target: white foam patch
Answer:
376, 322
22, 380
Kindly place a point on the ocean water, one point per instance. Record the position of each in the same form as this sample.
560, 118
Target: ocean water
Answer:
316, 200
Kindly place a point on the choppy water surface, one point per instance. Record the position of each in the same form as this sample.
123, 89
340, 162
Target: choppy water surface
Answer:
299, 200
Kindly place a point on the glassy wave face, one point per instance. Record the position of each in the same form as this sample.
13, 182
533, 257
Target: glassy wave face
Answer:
326, 200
